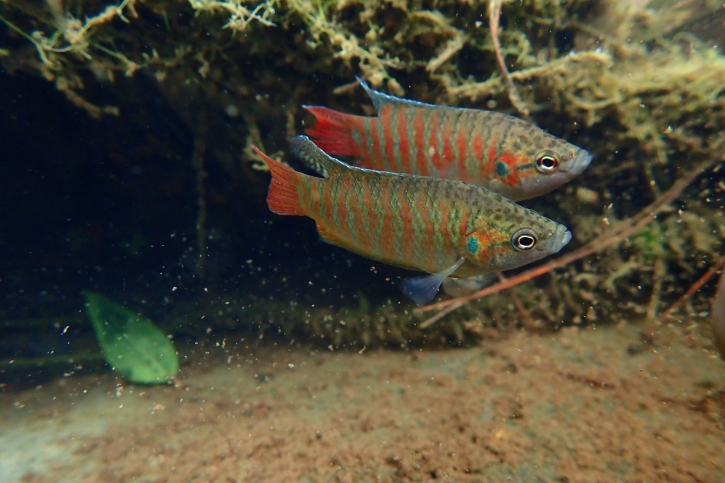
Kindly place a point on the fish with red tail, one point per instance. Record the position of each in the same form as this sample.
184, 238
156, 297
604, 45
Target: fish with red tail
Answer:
505, 154
444, 227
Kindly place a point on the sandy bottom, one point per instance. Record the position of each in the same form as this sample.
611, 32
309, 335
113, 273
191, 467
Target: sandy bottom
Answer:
591, 405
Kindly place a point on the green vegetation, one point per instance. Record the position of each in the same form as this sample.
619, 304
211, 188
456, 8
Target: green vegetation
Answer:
132, 345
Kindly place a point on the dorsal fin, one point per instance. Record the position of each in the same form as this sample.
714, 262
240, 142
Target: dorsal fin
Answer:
379, 99
313, 157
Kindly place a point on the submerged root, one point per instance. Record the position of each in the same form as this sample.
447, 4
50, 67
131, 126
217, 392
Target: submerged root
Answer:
614, 236
494, 18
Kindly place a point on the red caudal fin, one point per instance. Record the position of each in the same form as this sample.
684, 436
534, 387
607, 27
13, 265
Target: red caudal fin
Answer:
283, 197
333, 131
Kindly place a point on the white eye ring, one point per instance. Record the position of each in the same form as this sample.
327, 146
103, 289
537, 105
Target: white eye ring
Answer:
547, 162
524, 239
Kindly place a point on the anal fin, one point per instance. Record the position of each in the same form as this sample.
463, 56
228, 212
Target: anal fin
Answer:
329, 236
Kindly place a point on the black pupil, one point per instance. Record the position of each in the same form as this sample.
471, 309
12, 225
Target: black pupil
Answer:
526, 241
548, 162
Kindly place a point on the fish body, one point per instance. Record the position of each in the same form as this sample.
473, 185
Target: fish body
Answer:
502, 153
433, 225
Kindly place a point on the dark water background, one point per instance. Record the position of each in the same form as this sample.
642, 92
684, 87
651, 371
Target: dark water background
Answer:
111, 206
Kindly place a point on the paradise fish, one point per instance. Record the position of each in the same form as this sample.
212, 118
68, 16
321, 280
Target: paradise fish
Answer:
502, 153
440, 226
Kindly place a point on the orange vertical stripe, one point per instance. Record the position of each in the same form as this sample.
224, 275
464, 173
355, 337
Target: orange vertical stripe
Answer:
407, 236
428, 219
445, 220
368, 217
487, 164
373, 144
478, 154
357, 210
432, 144
339, 200
419, 141
388, 123
462, 226
327, 200
315, 197
387, 238
403, 143
462, 146
446, 152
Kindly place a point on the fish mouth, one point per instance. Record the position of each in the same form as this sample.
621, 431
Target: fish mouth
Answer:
580, 163
560, 239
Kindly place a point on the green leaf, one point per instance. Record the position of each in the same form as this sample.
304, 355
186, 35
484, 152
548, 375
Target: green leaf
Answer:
132, 345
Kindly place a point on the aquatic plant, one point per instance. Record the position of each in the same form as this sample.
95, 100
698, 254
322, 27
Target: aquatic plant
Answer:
132, 345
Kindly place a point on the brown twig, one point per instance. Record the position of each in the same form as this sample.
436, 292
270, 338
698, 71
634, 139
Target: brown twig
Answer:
658, 275
719, 263
494, 16
596, 383
615, 235
432, 320
528, 321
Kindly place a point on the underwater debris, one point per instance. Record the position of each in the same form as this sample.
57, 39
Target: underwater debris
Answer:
239, 15
197, 161
132, 345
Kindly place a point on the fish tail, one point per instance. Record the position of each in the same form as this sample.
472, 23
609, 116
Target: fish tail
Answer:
284, 196
334, 131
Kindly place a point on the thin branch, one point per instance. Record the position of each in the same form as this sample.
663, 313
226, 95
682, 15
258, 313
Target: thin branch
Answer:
432, 320
615, 235
528, 320
494, 12
720, 263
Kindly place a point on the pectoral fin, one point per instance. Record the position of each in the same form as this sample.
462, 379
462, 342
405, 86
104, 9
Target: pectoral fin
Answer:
460, 287
423, 289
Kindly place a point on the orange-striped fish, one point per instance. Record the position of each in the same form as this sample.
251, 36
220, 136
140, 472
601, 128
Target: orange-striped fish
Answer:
440, 226
502, 153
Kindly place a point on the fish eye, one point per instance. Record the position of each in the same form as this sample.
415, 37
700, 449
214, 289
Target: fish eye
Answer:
547, 162
524, 239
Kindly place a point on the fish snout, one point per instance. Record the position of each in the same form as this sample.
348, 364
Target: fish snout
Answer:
580, 163
559, 240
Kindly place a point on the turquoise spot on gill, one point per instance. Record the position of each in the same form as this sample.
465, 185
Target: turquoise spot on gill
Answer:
472, 245
501, 169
